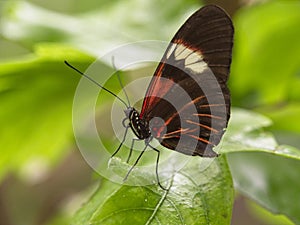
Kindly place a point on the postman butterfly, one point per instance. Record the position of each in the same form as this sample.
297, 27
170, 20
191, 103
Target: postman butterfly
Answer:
193, 73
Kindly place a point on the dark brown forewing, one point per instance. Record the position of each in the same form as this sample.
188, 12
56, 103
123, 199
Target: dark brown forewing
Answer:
210, 30
200, 121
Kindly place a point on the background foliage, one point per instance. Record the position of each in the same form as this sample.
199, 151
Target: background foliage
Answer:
44, 180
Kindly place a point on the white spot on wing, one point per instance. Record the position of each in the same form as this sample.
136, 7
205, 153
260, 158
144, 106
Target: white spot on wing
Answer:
198, 67
179, 49
182, 52
173, 46
193, 58
195, 62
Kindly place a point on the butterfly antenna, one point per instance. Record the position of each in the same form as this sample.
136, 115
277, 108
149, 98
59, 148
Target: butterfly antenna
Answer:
119, 78
95, 82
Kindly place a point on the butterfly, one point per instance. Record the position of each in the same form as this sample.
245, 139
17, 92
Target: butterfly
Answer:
187, 104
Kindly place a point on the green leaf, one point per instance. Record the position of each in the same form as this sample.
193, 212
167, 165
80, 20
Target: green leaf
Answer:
262, 170
245, 133
36, 96
194, 196
270, 180
241, 137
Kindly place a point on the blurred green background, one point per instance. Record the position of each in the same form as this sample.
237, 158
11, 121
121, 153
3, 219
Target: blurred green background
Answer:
43, 178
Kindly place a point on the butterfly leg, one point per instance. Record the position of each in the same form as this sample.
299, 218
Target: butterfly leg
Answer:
136, 161
156, 167
124, 137
131, 149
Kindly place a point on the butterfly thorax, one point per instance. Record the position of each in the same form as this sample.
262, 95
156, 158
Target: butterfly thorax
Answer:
139, 126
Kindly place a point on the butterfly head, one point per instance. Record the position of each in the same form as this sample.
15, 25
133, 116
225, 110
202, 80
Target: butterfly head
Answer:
128, 111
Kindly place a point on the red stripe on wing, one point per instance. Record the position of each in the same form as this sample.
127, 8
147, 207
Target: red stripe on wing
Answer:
208, 115
211, 105
203, 126
201, 139
177, 133
157, 88
184, 107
